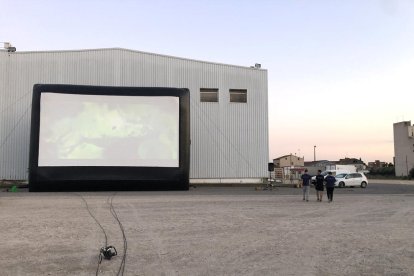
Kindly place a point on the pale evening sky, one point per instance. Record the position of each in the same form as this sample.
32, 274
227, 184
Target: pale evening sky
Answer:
340, 72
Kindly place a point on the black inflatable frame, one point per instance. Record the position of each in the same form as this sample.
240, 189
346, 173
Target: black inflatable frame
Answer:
92, 178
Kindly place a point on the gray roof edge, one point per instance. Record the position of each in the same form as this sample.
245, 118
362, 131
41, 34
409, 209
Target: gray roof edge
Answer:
133, 51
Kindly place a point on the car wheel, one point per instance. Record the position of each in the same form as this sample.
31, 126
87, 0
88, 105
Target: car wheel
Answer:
363, 184
341, 185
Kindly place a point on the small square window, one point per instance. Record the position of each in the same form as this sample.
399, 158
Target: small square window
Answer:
238, 95
209, 95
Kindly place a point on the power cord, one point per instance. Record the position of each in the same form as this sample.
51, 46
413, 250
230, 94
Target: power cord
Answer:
106, 252
115, 215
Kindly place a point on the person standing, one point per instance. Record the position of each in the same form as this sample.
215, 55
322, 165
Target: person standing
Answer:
330, 186
319, 185
305, 185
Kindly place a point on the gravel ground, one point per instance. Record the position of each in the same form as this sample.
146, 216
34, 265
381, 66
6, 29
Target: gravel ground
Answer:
197, 232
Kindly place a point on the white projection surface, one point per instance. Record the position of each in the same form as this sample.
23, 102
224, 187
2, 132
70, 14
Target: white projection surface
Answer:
104, 130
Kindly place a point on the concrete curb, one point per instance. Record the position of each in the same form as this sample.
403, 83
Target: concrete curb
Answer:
391, 181
23, 184
371, 181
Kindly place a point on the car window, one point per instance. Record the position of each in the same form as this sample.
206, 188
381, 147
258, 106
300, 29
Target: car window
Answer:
357, 175
341, 175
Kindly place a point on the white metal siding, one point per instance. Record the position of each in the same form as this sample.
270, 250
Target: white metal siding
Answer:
228, 140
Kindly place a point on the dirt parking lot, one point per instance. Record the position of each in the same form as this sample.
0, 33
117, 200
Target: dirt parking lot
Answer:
200, 233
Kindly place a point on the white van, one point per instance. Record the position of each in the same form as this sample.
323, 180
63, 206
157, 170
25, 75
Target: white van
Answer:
325, 174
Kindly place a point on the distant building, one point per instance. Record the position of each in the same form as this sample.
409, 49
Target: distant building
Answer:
377, 164
289, 161
314, 166
289, 166
350, 161
319, 163
403, 148
358, 163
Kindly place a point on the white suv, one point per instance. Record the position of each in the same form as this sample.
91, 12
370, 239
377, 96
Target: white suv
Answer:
351, 180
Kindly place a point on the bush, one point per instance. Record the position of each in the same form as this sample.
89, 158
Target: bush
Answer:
411, 173
384, 171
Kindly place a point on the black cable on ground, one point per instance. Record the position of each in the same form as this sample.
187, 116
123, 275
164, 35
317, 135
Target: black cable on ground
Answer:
115, 215
101, 254
106, 251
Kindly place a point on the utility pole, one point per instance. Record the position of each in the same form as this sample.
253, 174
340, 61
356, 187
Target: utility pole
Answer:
406, 163
314, 153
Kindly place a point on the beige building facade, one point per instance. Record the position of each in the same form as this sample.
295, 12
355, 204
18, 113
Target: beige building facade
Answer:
289, 166
403, 148
289, 161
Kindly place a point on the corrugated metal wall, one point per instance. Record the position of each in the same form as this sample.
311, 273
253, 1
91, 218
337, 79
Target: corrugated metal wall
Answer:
228, 140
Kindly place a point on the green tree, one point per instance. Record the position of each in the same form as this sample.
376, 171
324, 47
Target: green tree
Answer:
411, 173
384, 171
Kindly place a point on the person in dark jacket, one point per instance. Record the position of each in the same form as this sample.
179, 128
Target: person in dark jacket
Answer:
305, 181
330, 186
319, 185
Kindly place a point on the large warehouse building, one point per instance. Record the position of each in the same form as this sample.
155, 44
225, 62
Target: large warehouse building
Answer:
228, 105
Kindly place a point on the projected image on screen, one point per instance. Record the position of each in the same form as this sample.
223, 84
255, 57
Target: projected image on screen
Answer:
102, 130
